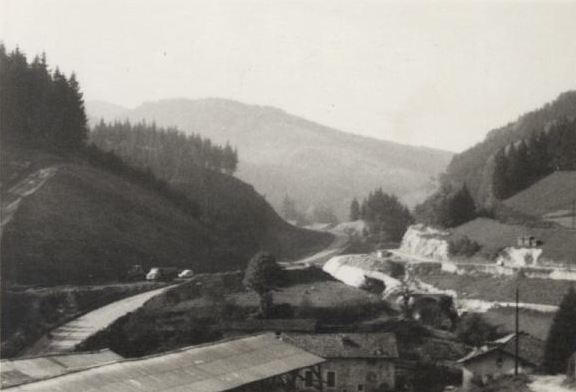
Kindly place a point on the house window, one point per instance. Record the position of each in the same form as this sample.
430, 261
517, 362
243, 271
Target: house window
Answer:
360, 387
308, 378
499, 362
331, 379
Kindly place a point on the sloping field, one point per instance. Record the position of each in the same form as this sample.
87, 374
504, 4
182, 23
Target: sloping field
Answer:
559, 244
552, 195
85, 225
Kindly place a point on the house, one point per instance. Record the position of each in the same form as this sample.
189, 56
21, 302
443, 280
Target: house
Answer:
498, 358
528, 241
362, 362
253, 363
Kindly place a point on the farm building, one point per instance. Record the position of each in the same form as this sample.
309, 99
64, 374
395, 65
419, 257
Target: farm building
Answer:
253, 363
498, 358
528, 241
354, 361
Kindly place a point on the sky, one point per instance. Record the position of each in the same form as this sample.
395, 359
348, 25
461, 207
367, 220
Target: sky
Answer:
431, 73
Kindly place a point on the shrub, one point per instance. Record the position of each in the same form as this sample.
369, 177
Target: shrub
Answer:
475, 330
463, 246
373, 286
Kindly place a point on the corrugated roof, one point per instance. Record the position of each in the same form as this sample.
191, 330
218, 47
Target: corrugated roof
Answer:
346, 345
26, 370
214, 367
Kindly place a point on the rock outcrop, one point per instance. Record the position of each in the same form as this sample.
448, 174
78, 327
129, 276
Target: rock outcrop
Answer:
426, 242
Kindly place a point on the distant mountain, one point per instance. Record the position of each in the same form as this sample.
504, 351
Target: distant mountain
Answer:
475, 166
282, 154
100, 109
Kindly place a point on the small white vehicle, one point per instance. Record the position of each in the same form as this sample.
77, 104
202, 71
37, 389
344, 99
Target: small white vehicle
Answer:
186, 274
154, 274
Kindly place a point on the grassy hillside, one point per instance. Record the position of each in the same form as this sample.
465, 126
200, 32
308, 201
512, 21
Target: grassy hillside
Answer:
550, 197
559, 244
86, 225
283, 154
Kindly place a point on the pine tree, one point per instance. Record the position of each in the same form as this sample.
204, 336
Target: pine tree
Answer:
461, 207
77, 122
354, 210
561, 342
499, 185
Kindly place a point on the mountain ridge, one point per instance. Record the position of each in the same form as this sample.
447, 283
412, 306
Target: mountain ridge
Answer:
283, 154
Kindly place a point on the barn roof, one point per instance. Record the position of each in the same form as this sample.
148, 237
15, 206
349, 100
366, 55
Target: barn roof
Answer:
346, 345
214, 367
25, 370
530, 349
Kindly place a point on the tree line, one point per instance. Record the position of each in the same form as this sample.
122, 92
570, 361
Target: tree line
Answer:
40, 107
388, 218
470, 166
521, 164
168, 151
44, 109
449, 207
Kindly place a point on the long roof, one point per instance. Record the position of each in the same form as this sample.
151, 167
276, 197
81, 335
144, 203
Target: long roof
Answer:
25, 370
347, 345
215, 367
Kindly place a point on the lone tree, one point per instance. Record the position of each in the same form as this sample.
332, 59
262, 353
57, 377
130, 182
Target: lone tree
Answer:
561, 342
263, 276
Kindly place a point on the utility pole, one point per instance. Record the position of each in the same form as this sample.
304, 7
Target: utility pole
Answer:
574, 214
517, 337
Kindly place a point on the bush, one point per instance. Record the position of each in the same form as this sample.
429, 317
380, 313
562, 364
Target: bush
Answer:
475, 330
463, 246
373, 286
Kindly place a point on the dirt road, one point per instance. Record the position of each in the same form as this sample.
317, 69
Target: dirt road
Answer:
550, 384
68, 335
22, 188
336, 247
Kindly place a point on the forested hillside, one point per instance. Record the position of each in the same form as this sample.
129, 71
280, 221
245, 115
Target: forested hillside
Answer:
509, 160
317, 167
74, 213
545, 137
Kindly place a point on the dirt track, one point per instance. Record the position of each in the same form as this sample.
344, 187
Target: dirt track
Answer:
68, 335
22, 188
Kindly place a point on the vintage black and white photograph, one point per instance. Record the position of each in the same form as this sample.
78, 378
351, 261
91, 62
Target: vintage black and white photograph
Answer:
288, 195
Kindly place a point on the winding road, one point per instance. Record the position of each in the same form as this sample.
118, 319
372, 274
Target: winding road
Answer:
65, 337
338, 245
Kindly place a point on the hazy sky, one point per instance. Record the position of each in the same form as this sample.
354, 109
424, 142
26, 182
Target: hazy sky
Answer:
432, 73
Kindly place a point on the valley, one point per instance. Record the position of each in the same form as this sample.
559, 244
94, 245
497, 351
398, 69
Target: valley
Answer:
184, 241
285, 155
